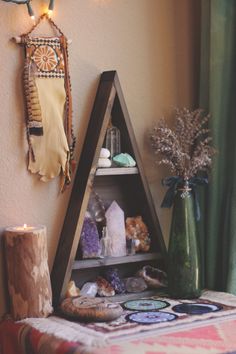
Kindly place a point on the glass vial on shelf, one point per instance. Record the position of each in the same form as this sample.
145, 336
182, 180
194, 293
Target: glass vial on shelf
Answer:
105, 243
113, 140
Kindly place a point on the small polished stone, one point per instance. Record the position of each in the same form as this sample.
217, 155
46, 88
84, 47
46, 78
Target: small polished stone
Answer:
104, 162
104, 153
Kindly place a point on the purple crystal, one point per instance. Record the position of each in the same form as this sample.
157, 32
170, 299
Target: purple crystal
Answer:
112, 276
89, 240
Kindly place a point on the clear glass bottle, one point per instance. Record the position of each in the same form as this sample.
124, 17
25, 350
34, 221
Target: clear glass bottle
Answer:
113, 140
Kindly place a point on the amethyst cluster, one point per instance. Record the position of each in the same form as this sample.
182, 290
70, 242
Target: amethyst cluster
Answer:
89, 240
112, 276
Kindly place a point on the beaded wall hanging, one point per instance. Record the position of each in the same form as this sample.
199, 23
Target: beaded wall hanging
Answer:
47, 92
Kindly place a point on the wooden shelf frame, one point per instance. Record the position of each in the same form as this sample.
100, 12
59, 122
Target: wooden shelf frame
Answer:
109, 99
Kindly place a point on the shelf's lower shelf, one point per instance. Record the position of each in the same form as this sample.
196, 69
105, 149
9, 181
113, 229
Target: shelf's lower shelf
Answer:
101, 262
135, 296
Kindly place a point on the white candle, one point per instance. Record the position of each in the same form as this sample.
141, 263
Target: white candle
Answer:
25, 228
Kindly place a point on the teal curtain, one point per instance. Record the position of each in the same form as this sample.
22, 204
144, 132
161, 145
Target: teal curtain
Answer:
218, 96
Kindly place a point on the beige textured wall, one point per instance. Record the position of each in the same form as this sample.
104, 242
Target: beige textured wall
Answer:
152, 45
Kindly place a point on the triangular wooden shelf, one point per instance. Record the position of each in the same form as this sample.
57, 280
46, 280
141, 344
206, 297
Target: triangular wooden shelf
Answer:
109, 102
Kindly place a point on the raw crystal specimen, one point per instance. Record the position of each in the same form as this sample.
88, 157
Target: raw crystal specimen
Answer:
104, 288
135, 284
72, 289
114, 279
124, 160
96, 207
89, 240
137, 230
154, 278
116, 230
89, 289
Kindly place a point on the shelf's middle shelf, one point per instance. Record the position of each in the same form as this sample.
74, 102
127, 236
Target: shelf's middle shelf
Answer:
112, 171
99, 262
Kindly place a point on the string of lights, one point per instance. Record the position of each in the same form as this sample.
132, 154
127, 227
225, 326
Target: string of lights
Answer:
29, 7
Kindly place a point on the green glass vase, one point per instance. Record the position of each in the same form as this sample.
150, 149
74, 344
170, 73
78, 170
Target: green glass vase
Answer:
183, 253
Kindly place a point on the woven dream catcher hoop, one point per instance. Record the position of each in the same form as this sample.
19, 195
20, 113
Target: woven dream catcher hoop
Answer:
47, 92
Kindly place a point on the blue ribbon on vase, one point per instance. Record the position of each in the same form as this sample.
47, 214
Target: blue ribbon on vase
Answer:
174, 182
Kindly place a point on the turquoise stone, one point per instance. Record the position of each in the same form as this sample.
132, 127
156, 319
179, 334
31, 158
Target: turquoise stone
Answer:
183, 253
124, 160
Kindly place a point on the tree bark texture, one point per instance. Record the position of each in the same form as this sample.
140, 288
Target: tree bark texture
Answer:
28, 273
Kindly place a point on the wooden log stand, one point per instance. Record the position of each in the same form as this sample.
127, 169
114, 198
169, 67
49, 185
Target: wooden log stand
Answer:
28, 274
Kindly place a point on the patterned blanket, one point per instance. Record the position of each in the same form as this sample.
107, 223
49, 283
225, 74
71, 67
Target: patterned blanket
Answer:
206, 333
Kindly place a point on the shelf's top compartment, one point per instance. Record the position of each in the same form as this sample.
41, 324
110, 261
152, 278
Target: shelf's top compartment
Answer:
111, 171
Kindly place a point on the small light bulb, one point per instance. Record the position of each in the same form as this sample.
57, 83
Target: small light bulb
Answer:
50, 13
51, 6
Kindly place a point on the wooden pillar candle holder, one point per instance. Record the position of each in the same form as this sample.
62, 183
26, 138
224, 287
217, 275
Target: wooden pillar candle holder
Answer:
28, 273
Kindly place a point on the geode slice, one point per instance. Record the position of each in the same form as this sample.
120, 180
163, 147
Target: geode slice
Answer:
135, 285
112, 276
154, 278
104, 288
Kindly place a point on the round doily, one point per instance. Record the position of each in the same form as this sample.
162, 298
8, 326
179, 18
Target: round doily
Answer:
145, 305
151, 317
196, 308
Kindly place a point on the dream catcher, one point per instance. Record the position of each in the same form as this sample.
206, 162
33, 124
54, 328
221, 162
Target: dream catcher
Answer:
48, 105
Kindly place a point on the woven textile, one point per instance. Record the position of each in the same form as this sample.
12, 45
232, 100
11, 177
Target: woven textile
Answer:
208, 333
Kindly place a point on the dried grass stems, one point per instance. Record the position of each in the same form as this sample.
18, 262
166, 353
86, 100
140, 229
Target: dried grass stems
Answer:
186, 148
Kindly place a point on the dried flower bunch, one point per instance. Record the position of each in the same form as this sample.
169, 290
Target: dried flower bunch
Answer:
186, 148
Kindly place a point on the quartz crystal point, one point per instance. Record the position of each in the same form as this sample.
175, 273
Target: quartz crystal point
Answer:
116, 230
113, 140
